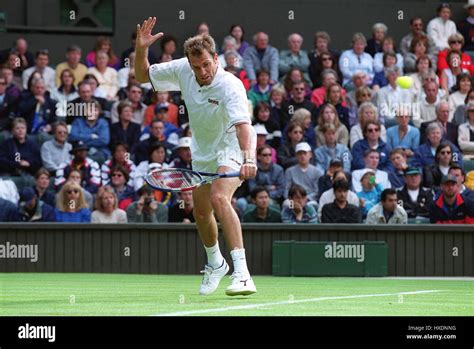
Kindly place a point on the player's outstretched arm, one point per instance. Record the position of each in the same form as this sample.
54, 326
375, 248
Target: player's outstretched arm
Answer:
144, 40
248, 143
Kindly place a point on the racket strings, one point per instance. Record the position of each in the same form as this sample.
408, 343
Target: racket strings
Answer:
175, 179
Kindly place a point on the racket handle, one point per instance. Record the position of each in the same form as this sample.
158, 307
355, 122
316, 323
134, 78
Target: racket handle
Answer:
230, 174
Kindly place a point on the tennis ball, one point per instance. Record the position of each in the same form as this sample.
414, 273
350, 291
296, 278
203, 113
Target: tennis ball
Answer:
405, 82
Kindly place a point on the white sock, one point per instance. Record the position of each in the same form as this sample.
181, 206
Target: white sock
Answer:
240, 263
214, 256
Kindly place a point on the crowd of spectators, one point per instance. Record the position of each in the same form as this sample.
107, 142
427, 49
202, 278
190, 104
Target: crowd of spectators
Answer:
338, 140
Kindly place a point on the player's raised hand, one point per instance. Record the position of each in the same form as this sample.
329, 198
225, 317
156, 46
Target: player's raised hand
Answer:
144, 36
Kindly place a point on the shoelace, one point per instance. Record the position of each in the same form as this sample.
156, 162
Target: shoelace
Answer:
235, 275
207, 273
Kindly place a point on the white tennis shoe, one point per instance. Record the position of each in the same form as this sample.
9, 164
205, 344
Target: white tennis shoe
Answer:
212, 277
242, 284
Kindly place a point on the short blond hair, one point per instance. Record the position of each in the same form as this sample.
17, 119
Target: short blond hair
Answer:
196, 45
300, 115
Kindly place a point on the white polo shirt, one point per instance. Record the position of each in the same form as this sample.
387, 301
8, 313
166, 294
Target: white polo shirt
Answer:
213, 111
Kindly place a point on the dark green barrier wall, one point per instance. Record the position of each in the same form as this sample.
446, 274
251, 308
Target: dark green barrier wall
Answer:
343, 258
413, 250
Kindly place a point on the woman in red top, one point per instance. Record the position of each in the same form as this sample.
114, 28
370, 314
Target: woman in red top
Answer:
456, 42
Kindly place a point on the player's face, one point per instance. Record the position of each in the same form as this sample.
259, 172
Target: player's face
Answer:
204, 67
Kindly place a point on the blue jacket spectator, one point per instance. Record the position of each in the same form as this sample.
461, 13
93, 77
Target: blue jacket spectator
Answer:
360, 147
94, 132
411, 140
19, 155
326, 155
34, 210
262, 55
81, 216
425, 154
71, 206
37, 107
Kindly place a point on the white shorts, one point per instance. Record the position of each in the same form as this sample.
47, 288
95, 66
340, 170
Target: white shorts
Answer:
227, 157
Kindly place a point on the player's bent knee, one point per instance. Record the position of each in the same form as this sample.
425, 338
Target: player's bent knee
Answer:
219, 200
202, 215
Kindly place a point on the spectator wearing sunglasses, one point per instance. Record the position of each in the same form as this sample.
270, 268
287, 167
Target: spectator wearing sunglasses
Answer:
371, 140
456, 43
71, 207
270, 176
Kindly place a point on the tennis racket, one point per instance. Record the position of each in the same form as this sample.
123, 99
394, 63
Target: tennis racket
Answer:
179, 180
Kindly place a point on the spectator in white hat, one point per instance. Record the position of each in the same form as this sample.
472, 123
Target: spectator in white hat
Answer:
303, 173
183, 154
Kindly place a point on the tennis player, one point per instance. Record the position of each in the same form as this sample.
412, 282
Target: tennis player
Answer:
223, 140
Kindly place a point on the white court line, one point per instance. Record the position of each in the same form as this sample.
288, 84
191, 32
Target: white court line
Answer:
259, 305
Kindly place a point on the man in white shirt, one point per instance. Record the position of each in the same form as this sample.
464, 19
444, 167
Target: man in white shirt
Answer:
392, 99
41, 66
427, 106
222, 140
